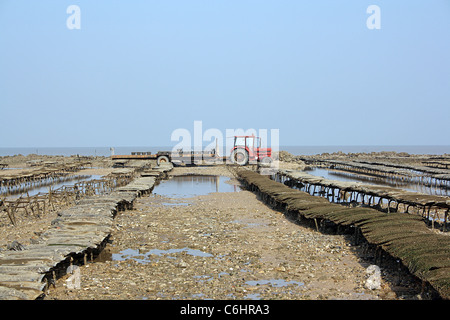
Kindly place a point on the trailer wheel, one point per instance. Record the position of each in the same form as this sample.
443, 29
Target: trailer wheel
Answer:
239, 156
162, 159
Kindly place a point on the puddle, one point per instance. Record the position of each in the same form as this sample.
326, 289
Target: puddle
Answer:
175, 204
278, 283
194, 185
146, 257
203, 278
253, 296
130, 254
274, 283
192, 252
158, 201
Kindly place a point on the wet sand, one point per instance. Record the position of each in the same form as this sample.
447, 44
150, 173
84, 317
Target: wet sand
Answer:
225, 246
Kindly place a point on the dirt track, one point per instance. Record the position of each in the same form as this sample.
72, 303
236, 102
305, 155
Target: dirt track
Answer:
224, 246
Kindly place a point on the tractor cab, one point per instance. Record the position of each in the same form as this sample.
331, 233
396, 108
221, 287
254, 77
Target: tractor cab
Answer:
248, 148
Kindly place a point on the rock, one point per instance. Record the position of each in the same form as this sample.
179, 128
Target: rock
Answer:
182, 264
74, 281
15, 246
374, 280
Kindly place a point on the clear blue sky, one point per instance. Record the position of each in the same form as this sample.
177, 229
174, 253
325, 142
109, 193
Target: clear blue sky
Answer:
137, 70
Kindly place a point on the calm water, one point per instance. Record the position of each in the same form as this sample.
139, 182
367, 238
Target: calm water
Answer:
352, 177
146, 257
191, 186
295, 150
18, 191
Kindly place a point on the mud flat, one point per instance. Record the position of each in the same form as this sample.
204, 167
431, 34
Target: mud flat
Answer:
226, 245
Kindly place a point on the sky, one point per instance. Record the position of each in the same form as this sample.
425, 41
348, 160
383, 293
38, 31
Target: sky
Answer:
136, 71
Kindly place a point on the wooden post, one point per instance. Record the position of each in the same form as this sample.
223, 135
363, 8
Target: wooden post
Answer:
54, 278
317, 226
444, 226
356, 235
11, 215
50, 198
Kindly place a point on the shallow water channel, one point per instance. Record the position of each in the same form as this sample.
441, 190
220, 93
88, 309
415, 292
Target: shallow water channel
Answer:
31, 190
180, 187
194, 185
353, 177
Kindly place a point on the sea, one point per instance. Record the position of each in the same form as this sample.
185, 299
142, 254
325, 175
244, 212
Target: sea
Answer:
294, 150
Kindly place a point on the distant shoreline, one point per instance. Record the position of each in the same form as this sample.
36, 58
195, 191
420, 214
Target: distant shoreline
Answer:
294, 150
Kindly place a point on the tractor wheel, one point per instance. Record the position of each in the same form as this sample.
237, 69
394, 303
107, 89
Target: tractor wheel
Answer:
162, 160
266, 161
239, 156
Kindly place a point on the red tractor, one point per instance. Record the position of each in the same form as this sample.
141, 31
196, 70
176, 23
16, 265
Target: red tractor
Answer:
248, 149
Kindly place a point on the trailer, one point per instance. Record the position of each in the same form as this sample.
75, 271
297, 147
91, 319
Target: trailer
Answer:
179, 156
246, 149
